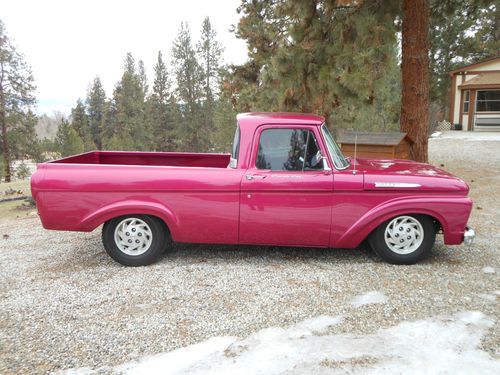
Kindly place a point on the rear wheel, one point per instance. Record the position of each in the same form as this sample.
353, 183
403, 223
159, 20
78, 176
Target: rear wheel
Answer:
404, 239
135, 240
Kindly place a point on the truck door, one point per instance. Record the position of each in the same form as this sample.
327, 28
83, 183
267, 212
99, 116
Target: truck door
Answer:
286, 194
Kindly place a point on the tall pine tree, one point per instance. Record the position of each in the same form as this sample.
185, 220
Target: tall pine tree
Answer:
96, 108
189, 75
130, 129
16, 100
160, 108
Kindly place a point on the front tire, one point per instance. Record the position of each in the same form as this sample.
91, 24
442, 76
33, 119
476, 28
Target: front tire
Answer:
135, 240
405, 239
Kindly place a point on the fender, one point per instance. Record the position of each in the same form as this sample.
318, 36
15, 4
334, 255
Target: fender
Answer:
450, 212
103, 214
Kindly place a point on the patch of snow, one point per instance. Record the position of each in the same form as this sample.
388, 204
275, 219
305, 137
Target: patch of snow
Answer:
179, 360
77, 371
445, 345
369, 298
488, 270
436, 134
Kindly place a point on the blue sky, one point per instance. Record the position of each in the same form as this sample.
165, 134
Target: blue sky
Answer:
68, 43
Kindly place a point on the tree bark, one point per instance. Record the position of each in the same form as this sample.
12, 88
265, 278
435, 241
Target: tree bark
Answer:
5, 141
415, 76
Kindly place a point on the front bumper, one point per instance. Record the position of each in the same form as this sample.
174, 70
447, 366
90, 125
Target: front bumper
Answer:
469, 236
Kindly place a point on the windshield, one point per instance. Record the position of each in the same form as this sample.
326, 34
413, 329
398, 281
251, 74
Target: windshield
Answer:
236, 148
339, 160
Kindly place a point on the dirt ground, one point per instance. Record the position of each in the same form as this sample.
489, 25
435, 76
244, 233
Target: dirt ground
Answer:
65, 304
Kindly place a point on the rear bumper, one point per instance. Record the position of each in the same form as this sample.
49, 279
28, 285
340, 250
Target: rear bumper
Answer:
469, 236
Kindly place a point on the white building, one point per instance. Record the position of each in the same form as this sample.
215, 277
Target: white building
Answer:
475, 96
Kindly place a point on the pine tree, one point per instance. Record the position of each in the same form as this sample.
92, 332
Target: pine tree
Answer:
16, 97
159, 108
338, 59
80, 123
68, 140
143, 79
129, 118
188, 74
96, 108
210, 57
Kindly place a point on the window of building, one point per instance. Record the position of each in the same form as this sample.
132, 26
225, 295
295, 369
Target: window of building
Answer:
488, 101
288, 150
466, 101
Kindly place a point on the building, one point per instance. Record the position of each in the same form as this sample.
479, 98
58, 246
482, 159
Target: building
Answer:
388, 145
475, 96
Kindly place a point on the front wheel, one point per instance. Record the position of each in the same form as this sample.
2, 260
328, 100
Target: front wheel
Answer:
135, 240
404, 239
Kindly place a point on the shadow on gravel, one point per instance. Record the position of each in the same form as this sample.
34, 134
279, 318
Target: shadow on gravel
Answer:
89, 254
202, 253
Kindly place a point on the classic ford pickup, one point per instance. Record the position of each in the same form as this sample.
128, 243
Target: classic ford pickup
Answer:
285, 183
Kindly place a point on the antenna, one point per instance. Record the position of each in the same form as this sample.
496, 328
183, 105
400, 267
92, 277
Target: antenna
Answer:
355, 151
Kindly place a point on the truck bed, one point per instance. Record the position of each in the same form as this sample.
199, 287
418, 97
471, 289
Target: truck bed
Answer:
171, 159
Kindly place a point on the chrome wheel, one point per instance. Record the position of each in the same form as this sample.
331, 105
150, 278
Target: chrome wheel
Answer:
404, 234
133, 236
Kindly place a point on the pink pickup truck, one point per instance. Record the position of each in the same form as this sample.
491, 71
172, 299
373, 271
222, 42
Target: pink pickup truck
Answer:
286, 183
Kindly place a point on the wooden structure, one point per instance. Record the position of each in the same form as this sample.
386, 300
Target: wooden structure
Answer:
389, 145
475, 96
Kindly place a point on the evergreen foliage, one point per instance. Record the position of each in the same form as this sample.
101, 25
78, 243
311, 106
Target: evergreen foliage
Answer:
337, 58
67, 140
17, 121
96, 111
317, 56
189, 90
160, 110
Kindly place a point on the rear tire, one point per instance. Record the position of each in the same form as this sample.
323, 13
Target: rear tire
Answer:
405, 239
135, 240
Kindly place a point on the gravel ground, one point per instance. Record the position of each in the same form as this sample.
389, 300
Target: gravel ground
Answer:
66, 304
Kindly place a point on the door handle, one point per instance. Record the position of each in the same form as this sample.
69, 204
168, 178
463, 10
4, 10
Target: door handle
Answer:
254, 176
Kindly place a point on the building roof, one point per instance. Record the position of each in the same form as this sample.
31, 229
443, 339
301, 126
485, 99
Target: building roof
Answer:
368, 138
475, 65
490, 80
279, 118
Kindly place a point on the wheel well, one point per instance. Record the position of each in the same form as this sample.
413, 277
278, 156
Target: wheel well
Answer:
437, 223
159, 219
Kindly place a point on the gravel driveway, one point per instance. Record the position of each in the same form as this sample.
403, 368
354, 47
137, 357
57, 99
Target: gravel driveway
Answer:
66, 304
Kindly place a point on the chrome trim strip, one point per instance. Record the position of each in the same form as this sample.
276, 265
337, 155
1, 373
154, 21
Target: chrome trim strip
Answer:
396, 185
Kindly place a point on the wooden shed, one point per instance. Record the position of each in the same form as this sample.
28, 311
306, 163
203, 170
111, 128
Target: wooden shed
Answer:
389, 145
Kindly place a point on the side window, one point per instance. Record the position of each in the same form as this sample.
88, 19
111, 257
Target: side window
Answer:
288, 150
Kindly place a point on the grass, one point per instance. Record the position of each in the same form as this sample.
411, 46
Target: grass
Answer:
23, 185
15, 209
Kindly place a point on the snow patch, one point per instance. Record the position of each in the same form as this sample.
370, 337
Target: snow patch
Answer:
488, 270
445, 345
369, 298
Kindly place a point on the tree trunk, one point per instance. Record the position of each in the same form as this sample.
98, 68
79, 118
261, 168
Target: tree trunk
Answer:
415, 76
5, 141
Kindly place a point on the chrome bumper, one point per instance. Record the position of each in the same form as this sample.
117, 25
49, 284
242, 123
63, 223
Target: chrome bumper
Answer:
469, 236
